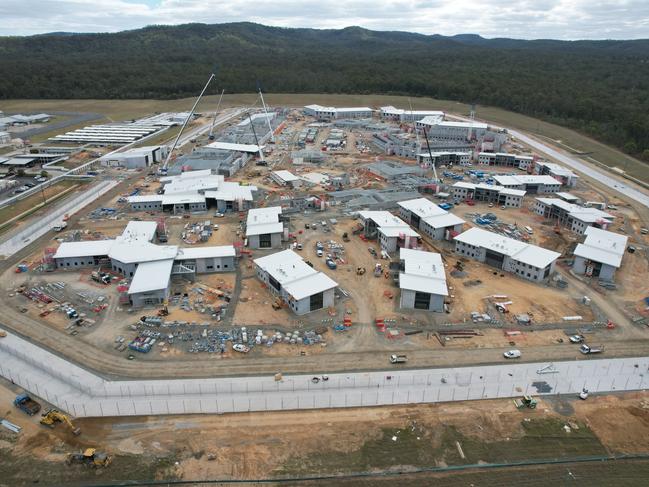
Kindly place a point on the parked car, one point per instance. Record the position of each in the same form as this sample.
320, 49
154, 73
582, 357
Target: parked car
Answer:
319, 252
331, 264
576, 338
512, 354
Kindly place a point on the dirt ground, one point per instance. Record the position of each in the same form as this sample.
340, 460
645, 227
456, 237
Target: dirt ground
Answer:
263, 445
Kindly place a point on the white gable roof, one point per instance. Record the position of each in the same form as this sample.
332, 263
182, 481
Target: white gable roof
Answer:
423, 272
602, 246
299, 279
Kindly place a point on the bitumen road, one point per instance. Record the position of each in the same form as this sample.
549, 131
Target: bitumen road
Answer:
84, 394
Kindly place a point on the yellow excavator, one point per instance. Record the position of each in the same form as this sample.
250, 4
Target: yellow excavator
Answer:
53, 416
91, 457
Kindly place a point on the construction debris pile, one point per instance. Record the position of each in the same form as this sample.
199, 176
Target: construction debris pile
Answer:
197, 232
490, 222
199, 338
52, 297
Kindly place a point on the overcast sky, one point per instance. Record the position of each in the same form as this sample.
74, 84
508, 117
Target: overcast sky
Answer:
529, 19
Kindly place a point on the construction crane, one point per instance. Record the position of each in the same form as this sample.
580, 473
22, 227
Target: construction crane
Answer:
191, 113
430, 154
211, 136
254, 134
263, 103
53, 416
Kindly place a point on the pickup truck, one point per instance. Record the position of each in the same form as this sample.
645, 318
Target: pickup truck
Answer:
398, 359
27, 404
586, 349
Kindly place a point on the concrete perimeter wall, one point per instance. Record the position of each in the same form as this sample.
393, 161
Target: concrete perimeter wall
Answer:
84, 394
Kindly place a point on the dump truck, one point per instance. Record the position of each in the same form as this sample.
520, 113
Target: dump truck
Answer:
53, 416
100, 277
398, 359
27, 404
90, 457
587, 349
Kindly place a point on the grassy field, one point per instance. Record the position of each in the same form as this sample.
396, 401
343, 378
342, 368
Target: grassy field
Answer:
619, 473
126, 109
35, 199
542, 439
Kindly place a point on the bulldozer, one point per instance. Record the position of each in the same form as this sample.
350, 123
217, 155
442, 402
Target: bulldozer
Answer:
90, 457
525, 402
53, 416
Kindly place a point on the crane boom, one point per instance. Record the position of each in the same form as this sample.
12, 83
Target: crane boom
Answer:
263, 103
210, 136
430, 154
166, 163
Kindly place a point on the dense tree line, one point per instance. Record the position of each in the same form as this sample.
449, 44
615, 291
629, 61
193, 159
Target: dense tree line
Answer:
598, 87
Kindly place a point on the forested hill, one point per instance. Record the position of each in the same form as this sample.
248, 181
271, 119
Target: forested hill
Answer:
598, 87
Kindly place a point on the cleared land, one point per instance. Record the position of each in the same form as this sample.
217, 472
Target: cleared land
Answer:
326, 442
124, 109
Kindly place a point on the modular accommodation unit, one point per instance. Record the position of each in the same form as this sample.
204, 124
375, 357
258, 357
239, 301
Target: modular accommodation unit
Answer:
600, 255
444, 158
401, 115
391, 232
429, 218
524, 260
329, 113
505, 159
265, 228
446, 130
286, 178
300, 286
565, 176
422, 280
462, 191
532, 184
576, 218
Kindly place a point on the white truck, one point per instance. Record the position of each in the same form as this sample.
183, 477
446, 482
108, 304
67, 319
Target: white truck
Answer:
587, 349
398, 359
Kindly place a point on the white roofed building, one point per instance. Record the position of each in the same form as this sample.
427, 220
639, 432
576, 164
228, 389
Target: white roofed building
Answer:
530, 183
149, 266
298, 284
576, 218
286, 178
139, 157
265, 228
392, 232
401, 115
430, 219
446, 130
194, 192
422, 280
330, 113
600, 255
505, 159
522, 259
565, 176
463, 191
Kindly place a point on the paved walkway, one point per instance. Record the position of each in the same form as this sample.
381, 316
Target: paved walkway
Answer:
84, 394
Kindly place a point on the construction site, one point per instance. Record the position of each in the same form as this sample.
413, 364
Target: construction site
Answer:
286, 242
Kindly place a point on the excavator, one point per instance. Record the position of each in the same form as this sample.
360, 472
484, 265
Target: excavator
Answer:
91, 457
53, 416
